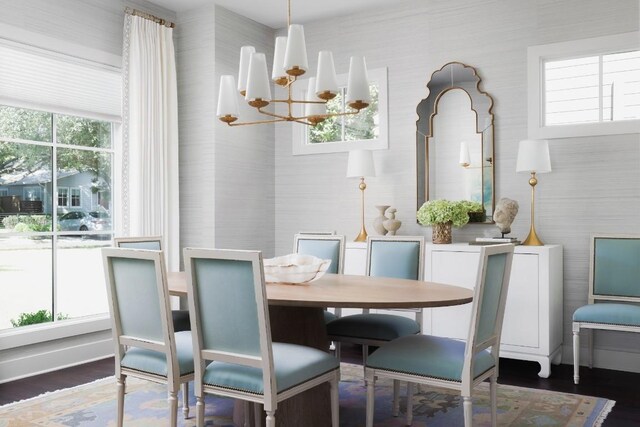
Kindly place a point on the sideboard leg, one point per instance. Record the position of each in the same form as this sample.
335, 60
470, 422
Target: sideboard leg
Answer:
545, 367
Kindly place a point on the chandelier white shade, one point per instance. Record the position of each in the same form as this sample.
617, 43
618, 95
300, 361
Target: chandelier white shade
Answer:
290, 62
326, 79
358, 89
258, 85
295, 57
227, 99
278, 60
245, 54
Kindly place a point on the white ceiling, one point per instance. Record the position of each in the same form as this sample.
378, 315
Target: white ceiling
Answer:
274, 12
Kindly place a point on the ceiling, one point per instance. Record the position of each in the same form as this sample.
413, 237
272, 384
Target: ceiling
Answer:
273, 13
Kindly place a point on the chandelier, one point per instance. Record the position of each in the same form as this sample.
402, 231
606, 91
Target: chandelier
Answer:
289, 63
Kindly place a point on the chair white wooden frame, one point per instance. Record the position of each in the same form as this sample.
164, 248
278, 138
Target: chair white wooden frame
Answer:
124, 342
323, 237
596, 294
142, 242
263, 361
474, 345
371, 240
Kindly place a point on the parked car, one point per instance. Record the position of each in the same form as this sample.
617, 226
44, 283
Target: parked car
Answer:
78, 221
102, 220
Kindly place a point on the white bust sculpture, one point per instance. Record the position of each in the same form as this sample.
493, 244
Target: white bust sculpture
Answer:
504, 214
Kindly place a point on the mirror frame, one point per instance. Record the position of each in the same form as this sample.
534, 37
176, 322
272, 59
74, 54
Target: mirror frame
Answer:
424, 131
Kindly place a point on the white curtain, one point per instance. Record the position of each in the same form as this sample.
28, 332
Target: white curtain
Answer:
150, 202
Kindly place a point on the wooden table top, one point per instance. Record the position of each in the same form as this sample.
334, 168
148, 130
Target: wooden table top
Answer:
340, 290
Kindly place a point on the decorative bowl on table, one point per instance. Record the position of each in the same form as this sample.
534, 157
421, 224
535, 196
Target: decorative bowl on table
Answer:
294, 268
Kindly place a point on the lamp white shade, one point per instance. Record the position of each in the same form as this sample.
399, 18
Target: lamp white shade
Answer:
326, 79
360, 164
533, 156
258, 84
358, 88
465, 157
296, 53
227, 97
278, 59
245, 54
313, 109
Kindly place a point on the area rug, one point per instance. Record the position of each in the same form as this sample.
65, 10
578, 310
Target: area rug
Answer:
94, 404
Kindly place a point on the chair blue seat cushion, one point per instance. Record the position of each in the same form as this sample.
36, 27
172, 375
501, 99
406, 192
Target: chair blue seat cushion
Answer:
155, 362
374, 326
609, 313
293, 364
428, 356
329, 316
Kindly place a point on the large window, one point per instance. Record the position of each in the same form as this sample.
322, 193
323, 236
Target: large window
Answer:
366, 130
585, 87
55, 216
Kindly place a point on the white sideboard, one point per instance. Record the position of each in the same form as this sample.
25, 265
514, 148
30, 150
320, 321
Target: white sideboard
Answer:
532, 328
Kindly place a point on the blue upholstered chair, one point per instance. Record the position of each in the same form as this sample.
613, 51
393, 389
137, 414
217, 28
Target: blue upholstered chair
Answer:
614, 292
146, 345
395, 256
324, 246
445, 362
154, 243
234, 354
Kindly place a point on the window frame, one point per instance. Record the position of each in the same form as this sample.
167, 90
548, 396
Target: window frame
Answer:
299, 132
71, 191
66, 196
536, 58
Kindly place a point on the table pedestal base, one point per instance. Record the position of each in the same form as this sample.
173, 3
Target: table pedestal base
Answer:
305, 326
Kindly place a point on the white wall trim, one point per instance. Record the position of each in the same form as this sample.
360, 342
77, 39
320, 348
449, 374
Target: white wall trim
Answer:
616, 360
536, 55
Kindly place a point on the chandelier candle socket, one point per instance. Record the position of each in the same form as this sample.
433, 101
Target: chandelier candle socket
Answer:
289, 63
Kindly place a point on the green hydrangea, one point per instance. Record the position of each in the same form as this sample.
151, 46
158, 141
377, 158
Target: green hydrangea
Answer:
442, 211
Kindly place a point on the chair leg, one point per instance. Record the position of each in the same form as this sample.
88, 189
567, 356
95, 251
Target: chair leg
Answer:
271, 418
120, 386
410, 387
590, 340
396, 398
257, 414
335, 400
371, 383
337, 351
199, 411
576, 353
493, 393
173, 408
365, 354
185, 400
468, 411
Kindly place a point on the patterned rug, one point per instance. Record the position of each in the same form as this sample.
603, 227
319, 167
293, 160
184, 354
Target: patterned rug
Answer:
94, 404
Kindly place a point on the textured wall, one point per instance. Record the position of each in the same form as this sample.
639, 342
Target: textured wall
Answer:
594, 183
195, 63
245, 158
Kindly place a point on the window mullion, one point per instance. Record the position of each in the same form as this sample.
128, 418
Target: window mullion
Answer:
600, 91
54, 218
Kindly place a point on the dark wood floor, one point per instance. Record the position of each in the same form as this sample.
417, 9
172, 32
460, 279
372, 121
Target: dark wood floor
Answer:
623, 387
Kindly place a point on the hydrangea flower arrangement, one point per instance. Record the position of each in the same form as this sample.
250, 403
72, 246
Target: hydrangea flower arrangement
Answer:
442, 211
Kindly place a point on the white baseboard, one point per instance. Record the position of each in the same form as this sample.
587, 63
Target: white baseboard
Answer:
616, 360
51, 356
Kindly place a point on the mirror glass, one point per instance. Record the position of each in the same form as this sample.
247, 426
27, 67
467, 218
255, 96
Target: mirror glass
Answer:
455, 140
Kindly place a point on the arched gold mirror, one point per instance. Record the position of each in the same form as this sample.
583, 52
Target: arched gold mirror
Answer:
454, 140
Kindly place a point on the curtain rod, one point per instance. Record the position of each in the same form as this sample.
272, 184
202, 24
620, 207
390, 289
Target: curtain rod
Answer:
136, 12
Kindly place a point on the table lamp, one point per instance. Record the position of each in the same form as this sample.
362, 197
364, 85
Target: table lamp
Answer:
360, 165
533, 157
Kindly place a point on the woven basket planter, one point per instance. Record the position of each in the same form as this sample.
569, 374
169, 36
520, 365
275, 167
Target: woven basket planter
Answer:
441, 233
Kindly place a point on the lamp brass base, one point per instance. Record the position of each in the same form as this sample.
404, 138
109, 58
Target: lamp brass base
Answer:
362, 237
532, 239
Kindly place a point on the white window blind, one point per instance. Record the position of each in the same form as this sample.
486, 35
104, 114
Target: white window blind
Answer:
35, 78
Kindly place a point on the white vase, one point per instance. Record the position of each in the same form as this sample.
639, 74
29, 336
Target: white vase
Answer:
392, 224
378, 222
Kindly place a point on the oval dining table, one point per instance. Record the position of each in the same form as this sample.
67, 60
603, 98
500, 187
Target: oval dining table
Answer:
296, 316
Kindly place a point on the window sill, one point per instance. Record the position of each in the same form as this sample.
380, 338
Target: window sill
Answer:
28, 335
